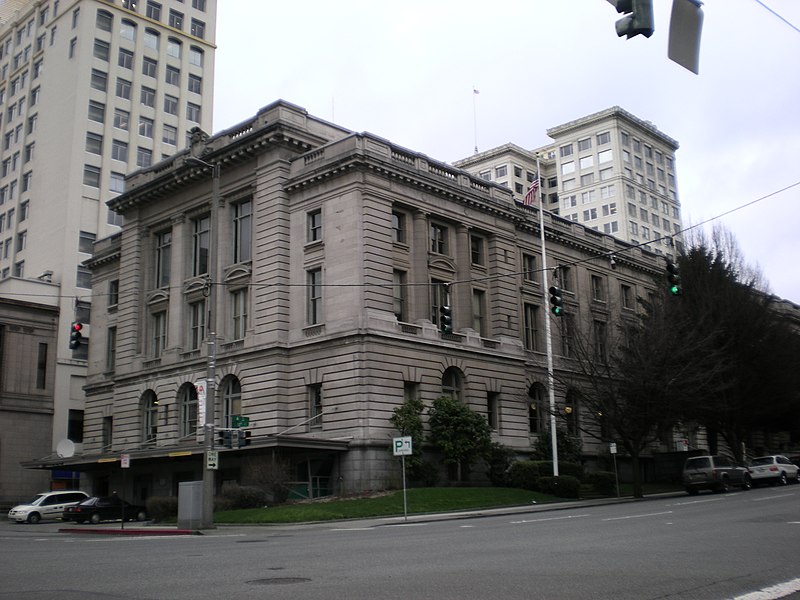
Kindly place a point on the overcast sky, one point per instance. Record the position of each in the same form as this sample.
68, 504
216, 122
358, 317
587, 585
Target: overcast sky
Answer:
406, 71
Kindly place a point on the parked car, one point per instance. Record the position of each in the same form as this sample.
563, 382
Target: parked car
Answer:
47, 505
774, 469
104, 508
715, 473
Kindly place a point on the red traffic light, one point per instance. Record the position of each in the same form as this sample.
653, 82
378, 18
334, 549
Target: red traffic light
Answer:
77, 326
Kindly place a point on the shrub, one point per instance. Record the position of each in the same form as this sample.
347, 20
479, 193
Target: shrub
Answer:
603, 482
160, 508
524, 474
498, 459
423, 473
563, 486
564, 468
237, 496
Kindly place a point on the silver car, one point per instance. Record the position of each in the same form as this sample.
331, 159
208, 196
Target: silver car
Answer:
715, 473
774, 469
47, 505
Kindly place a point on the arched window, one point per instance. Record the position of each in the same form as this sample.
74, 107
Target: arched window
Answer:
572, 413
537, 409
187, 398
452, 383
173, 47
231, 399
151, 39
149, 405
195, 56
127, 30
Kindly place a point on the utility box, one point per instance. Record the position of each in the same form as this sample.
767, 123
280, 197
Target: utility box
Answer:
190, 504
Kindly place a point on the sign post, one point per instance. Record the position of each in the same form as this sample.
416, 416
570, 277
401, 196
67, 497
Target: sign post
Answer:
403, 447
125, 464
612, 448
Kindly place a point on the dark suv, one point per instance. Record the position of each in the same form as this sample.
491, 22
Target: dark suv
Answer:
715, 473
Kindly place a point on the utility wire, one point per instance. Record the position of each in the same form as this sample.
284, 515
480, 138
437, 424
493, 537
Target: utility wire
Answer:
779, 16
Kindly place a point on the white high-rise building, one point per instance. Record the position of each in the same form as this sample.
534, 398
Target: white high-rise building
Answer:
90, 90
610, 171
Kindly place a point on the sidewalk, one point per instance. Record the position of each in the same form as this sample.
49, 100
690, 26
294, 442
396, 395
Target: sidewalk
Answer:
160, 529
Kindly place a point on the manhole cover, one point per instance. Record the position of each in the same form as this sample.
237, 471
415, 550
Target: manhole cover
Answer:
279, 580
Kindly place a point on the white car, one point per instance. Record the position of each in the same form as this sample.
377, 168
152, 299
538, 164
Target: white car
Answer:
47, 505
775, 469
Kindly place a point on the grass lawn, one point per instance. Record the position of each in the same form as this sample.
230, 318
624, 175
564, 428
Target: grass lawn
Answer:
420, 500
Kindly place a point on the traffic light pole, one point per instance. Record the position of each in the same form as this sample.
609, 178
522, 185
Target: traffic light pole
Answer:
547, 331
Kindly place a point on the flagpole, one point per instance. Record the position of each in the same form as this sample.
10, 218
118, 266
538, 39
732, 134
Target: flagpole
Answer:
547, 330
475, 116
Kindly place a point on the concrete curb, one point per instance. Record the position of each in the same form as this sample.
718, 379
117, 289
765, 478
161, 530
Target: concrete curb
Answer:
131, 532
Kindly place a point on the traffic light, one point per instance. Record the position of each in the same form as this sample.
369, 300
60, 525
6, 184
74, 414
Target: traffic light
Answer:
674, 278
556, 301
75, 336
225, 438
446, 318
638, 18
244, 438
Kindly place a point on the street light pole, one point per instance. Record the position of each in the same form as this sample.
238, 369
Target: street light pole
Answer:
207, 520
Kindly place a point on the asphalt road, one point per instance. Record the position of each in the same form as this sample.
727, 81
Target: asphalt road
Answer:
705, 547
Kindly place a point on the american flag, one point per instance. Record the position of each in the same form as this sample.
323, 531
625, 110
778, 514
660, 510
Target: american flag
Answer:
530, 197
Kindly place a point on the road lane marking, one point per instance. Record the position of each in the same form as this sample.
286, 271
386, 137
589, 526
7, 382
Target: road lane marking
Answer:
548, 519
688, 502
353, 529
666, 512
772, 497
773, 592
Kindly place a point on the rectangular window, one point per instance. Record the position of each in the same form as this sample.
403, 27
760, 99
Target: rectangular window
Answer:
529, 269
108, 432
399, 294
113, 292
86, 241
169, 135
198, 29
146, 127
626, 296
175, 19
94, 143
99, 80
195, 84
147, 96
75, 426
159, 333
239, 300
598, 288
41, 367
200, 245
439, 241
123, 88
242, 231
314, 223
97, 111
91, 176
398, 227
314, 296
111, 348
144, 157
121, 121
492, 409
163, 259
83, 278
477, 250
193, 112
170, 104
149, 66
153, 10
315, 406
125, 59
101, 50
197, 324
531, 325
173, 75
479, 312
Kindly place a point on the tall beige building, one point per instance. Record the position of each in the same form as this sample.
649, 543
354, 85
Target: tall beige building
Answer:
90, 90
335, 252
610, 171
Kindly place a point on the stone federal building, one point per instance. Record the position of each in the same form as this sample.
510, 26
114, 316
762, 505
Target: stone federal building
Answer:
332, 255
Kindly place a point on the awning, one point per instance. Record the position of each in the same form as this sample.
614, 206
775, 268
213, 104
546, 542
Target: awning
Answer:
93, 460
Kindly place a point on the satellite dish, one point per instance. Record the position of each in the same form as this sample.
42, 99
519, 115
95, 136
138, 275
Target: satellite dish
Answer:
65, 449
